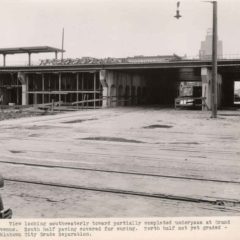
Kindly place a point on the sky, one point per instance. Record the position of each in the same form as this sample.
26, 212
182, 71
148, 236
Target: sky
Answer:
117, 28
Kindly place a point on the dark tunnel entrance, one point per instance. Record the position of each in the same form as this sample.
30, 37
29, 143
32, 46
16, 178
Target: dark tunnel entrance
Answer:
230, 89
161, 87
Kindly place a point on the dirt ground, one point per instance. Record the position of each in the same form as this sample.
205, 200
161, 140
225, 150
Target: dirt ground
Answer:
122, 162
6, 114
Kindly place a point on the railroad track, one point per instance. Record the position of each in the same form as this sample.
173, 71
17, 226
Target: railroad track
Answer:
119, 172
107, 189
114, 191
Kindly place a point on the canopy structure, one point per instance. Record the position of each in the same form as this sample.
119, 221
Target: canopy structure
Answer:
29, 51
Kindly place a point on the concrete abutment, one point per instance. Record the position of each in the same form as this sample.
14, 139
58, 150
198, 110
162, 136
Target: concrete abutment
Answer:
206, 75
122, 88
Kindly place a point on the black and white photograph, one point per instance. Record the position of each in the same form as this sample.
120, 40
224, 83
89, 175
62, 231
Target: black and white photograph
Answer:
119, 109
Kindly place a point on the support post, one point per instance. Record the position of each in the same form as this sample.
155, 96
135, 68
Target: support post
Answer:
206, 76
130, 90
49, 89
105, 92
29, 59
23, 78
214, 62
4, 60
52, 105
77, 79
65, 87
17, 93
35, 99
43, 88
59, 86
56, 55
83, 94
94, 89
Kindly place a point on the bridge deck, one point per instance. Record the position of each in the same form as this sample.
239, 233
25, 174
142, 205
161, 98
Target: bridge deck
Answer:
120, 66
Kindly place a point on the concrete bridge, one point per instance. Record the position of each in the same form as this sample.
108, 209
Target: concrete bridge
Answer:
113, 84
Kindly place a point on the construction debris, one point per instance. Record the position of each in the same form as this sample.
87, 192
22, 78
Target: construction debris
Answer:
109, 60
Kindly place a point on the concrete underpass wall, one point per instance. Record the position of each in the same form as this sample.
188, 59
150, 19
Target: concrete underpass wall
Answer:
122, 88
148, 87
206, 75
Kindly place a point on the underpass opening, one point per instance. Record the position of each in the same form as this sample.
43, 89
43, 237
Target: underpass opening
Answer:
152, 87
161, 87
230, 88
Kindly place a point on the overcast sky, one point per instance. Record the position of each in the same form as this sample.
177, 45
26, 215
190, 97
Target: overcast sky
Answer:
117, 28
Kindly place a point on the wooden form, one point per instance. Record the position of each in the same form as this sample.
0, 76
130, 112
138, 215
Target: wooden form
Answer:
112, 99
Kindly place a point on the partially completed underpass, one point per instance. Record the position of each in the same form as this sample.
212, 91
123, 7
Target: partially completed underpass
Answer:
136, 161
115, 84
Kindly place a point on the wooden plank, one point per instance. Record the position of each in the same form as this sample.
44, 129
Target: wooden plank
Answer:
87, 101
62, 92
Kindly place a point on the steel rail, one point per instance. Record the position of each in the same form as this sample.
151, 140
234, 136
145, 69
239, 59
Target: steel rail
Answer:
218, 202
120, 172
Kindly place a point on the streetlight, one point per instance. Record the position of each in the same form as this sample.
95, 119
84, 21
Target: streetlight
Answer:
214, 98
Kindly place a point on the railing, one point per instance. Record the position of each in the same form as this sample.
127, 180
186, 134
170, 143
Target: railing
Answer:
64, 62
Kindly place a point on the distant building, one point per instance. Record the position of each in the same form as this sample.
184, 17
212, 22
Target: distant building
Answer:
205, 51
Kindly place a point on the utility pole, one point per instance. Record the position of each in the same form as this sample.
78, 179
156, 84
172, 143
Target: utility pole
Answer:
62, 42
214, 82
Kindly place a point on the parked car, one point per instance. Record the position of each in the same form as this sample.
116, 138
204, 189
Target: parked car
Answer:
4, 213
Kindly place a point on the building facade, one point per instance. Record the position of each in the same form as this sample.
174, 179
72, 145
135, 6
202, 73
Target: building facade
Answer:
205, 51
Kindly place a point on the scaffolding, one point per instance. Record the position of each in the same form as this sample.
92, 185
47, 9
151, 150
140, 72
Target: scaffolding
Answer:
69, 89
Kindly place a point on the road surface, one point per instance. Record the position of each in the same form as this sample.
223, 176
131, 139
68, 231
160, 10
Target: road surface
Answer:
122, 162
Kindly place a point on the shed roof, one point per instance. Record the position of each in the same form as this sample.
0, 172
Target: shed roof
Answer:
36, 49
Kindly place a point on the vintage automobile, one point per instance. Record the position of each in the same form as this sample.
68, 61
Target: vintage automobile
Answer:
4, 213
190, 96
